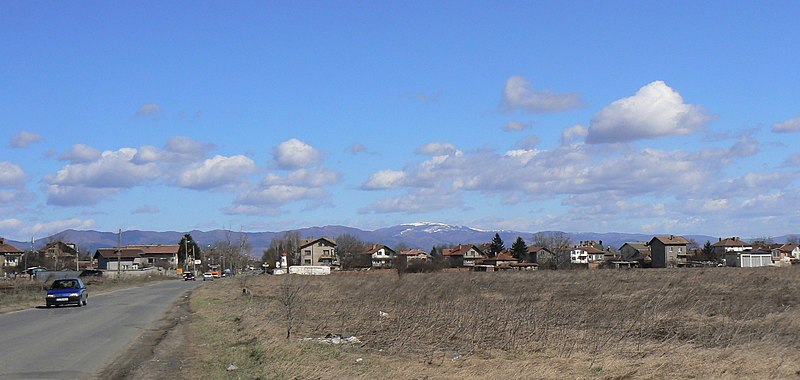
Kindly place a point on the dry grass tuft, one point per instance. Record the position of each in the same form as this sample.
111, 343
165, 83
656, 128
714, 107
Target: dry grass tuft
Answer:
717, 322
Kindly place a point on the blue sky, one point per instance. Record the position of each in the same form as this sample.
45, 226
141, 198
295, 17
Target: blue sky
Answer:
645, 117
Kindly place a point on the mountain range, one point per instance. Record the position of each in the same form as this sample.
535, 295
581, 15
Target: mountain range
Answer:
423, 235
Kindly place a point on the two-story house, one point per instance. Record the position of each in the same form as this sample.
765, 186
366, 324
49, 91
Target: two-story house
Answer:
10, 257
316, 252
730, 245
586, 254
668, 251
164, 256
786, 253
464, 255
375, 256
638, 251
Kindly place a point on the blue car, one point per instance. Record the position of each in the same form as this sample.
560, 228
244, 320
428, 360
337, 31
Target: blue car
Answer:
67, 291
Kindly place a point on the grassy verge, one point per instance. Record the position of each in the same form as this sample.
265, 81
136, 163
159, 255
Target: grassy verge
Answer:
690, 323
22, 293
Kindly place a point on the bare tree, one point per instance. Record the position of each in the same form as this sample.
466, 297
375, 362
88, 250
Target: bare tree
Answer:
558, 244
794, 239
348, 247
290, 294
289, 244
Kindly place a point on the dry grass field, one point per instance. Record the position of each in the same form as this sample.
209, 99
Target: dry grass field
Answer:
687, 323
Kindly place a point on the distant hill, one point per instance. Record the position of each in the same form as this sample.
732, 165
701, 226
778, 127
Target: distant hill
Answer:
414, 235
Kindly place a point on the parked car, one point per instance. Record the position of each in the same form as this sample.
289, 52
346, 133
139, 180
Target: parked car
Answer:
189, 276
67, 291
32, 270
208, 276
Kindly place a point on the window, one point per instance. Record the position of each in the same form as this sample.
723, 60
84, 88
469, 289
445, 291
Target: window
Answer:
307, 261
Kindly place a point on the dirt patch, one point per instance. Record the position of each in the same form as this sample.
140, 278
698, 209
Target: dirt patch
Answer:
159, 352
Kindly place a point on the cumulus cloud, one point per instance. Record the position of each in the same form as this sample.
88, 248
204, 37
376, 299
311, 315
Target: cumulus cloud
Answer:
216, 172
518, 94
385, 179
80, 153
179, 149
24, 139
420, 201
516, 126
87, 183
148, 109
528, 142
533, 174
275, 191
573, 134
294, 154
791, 125
114, 169
436, 149
11, 175
655, 110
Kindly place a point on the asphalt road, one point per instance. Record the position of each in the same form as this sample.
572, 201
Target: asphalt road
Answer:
71, 342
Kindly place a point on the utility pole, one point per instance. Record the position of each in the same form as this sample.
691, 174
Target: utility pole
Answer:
119, 253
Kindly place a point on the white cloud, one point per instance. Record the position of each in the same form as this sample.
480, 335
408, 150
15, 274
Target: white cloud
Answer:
114, 169
312, 177
278, 195
177, 150
573, 134
437, 149
655, 110
420, 201
216, 172
148, 109
528, 142
294, 154
50, 228
80, 153
11, 175
24, 139
515, 126
519, 95
60, 195
87, 183
791, 125
385, 179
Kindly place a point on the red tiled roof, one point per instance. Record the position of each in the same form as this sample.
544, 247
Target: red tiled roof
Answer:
8, 248
169, 249
671, 240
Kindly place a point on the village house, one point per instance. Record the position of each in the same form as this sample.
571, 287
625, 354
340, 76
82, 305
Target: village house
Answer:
730, 245
536, 252
62, 255
749, 258
785, 253
636, 251
375, 256
318, 252
119, 259
412, 258
668, 251
502, 260
162, 256
464, 255
11, 257
587, 252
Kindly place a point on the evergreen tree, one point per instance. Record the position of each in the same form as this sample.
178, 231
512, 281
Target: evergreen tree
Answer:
519, 249
496, 246
708, 251
188, 248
